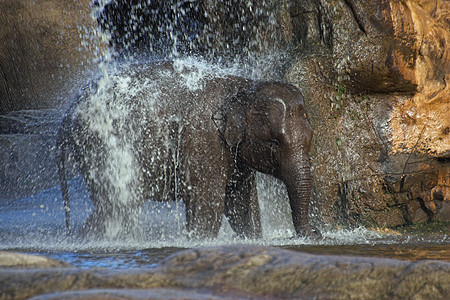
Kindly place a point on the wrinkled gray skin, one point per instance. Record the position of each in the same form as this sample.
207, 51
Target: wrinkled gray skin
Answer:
201, 144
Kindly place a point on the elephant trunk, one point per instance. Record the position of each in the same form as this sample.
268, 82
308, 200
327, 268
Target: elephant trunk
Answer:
297, 178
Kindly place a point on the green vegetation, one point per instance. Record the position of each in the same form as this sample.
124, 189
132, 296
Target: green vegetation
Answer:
340, 90
337, 102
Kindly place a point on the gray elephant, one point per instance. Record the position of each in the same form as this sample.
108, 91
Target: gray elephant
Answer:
166, 131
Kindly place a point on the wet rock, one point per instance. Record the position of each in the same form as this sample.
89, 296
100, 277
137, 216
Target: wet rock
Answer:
20, 260
417, 212
43, 122
27, 164
239, 272
139, 26
27, 152
228, 31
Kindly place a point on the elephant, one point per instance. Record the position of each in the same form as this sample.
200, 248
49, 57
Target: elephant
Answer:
171, 131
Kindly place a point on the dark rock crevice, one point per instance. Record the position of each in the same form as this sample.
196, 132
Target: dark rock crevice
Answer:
356, 17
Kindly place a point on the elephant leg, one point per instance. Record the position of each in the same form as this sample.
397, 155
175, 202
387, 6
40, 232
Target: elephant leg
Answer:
115, 213
241, 204
110, 217
95, 225
204, 196
111, 221
204, 210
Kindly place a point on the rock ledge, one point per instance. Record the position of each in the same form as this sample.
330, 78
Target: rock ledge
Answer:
238, 272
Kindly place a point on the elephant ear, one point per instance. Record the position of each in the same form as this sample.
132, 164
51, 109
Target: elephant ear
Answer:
230, 120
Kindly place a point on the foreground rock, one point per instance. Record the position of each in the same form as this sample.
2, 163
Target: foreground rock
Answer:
19, 260
238, 272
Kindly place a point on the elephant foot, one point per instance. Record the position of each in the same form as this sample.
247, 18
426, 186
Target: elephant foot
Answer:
309, 231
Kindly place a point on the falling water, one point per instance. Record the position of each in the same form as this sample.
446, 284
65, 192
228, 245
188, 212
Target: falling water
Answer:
178, 35
139, 31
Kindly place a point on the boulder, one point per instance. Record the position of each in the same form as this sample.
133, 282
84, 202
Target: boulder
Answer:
158, 293
15, 260
239, 272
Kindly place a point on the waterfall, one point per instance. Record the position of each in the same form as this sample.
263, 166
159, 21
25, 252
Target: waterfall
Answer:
233, 38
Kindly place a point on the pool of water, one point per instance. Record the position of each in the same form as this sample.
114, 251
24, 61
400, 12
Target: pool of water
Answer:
406, 251
147, 258
36, 225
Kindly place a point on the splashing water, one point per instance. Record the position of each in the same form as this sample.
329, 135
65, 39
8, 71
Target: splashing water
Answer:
161, 225
36, 225
119, 126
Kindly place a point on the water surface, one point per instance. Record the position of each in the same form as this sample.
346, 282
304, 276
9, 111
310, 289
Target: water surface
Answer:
36, 225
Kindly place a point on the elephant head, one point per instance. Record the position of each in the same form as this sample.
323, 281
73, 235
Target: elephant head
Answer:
267, 129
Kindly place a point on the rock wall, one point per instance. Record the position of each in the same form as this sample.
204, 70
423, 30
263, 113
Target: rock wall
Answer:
27, 152
46, 47
375, 77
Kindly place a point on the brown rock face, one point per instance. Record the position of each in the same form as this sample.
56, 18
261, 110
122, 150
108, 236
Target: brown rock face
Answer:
375, 77
421, 123
46, 46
